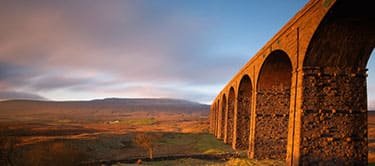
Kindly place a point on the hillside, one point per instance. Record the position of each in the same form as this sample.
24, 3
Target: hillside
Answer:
109, 104
72, 132
96, 110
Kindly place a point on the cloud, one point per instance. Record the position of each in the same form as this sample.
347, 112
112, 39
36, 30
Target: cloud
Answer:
55, 82
44, 42
371, 105
6, 95
137, 48
16, 76
150, 90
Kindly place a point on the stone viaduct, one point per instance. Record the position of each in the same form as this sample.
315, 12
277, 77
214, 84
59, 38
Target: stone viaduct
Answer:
302, 98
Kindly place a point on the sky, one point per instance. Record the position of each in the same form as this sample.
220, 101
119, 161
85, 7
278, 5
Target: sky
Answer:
91, 49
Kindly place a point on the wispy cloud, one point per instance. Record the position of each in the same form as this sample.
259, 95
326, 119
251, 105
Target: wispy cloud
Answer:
93, 48
46, 46
6, 95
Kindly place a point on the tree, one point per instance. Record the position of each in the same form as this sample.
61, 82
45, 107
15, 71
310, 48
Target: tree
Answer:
147, 142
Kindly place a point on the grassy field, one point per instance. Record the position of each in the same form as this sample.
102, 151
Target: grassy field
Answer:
142, 121
65, 139
182, 139
193, 149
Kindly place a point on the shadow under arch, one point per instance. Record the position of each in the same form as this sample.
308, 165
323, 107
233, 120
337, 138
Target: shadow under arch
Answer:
223, 115
273, 106
334, 117
244, 101
230, 119
215, 118
217, 114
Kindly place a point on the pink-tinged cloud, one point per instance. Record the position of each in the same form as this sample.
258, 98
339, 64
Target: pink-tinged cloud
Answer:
50, 47
371, 105
133, 48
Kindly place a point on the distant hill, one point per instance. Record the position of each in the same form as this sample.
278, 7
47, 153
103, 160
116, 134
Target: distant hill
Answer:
110, 104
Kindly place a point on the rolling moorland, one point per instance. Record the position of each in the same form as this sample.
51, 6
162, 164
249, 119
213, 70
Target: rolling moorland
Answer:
105, 132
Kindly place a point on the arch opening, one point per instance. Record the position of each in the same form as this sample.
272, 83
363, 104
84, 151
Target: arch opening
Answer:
334, 86
272, 107
211, 120
244, 101
215, 119
230, 121
223, 116
371, 82
218, 119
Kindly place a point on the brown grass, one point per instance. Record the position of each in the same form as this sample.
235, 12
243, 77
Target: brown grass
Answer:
95, 139
42, 139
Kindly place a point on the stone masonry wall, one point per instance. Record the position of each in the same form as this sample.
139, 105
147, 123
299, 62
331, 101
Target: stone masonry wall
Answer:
271, 127
334, 117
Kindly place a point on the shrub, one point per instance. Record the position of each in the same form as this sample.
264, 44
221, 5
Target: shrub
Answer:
147, 141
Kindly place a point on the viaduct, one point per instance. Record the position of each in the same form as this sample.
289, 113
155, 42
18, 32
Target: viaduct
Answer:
302, 98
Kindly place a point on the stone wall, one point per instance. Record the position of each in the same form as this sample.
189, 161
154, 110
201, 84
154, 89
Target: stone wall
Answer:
328, 106
271, 126
334, 116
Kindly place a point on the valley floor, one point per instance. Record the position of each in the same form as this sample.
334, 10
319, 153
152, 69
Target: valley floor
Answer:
178, 139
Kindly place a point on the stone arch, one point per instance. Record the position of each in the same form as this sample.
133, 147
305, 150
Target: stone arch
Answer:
230, 119
244, 100
334, 86
273, 106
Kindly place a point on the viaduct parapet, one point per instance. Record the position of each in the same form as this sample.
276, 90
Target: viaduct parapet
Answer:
302, 98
